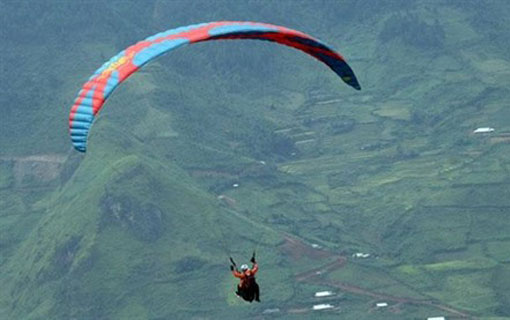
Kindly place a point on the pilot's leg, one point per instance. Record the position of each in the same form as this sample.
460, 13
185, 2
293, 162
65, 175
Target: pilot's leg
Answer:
257, 291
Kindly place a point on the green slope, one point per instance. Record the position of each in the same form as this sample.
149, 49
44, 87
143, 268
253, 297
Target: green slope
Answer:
125, 231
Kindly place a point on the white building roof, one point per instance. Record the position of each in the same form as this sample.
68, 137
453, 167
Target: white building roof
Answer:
322, 306
324, 293
484, 130
381, 304
361, 255
274, 310
436, 318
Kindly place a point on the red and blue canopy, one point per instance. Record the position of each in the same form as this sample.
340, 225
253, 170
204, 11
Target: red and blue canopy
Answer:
101, 84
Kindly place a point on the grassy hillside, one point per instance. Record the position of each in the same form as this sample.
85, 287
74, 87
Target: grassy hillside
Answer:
220, 148
134, 225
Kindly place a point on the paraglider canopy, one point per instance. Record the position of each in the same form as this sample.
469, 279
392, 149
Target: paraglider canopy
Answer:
102, 83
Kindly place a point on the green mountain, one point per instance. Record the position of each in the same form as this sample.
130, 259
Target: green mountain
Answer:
221, 148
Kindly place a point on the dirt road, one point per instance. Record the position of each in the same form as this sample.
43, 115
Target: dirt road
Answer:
317, 276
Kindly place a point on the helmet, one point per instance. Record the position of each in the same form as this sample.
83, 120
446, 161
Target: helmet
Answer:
244, 267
